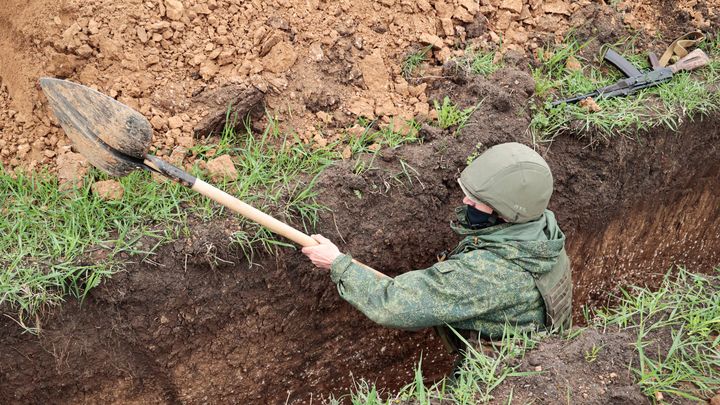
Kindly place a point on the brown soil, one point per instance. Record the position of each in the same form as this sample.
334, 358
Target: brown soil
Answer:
196, 324
315, 61
569, 375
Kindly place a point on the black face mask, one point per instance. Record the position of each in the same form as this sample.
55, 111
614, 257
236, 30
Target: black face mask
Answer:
477, 219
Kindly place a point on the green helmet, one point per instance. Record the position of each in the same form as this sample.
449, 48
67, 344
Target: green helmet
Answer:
511, 178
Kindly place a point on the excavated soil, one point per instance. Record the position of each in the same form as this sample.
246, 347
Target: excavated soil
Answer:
318, 65
196, 324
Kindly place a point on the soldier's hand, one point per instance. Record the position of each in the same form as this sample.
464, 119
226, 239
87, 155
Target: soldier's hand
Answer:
322, 255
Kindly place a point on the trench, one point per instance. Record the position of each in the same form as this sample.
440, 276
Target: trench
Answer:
641, 244
182, 330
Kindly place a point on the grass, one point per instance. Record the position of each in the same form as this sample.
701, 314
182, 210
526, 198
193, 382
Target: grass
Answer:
372, 139
592, 354
414, 60
479, 62
474, 61
56, 243
48, 236
268, 166
449, 115
686, 96
686, 364
474, 382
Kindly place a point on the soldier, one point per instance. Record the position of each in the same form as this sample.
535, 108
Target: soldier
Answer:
510, 267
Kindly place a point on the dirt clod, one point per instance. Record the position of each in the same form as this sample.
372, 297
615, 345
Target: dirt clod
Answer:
375, 74
590, 104
512, 5
557, 7
573, 63
280, 58
321, 100
72, 168
108, 190
222, 167
233, 101
174, 9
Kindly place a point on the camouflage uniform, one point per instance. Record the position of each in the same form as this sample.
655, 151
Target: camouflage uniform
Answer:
488, 280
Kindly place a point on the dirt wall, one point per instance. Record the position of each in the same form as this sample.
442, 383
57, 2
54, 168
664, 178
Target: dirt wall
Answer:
642, 241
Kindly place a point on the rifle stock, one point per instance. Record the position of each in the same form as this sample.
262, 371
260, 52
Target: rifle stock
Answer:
693, 60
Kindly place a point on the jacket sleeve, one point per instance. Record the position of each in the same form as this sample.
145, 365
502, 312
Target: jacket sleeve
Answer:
447, 292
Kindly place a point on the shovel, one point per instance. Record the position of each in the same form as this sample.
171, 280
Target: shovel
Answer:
115, 138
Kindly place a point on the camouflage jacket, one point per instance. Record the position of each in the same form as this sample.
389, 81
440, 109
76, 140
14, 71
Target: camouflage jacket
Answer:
487, 280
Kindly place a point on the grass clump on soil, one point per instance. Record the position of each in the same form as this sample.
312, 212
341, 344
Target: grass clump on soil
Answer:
414, 60
55, 243
449, 115
563, 73
678, 335
268, 166
270, 169
479, 62
372, 139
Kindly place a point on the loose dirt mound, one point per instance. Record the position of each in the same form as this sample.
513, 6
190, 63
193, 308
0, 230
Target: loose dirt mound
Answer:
317, 62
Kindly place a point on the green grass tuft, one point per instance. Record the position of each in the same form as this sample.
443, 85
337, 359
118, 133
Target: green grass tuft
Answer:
414, 60
372, 139
474, 383
479, 62
688, 305
450, 115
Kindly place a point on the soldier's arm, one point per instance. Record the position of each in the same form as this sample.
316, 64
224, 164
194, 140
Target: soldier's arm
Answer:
416, 299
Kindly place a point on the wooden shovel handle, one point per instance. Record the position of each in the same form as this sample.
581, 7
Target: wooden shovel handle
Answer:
262, 218
248, 211
253, 214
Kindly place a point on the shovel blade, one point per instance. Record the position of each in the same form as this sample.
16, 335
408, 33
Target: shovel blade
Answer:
110, 135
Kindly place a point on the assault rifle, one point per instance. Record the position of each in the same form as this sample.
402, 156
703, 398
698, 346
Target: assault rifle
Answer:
636, 79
